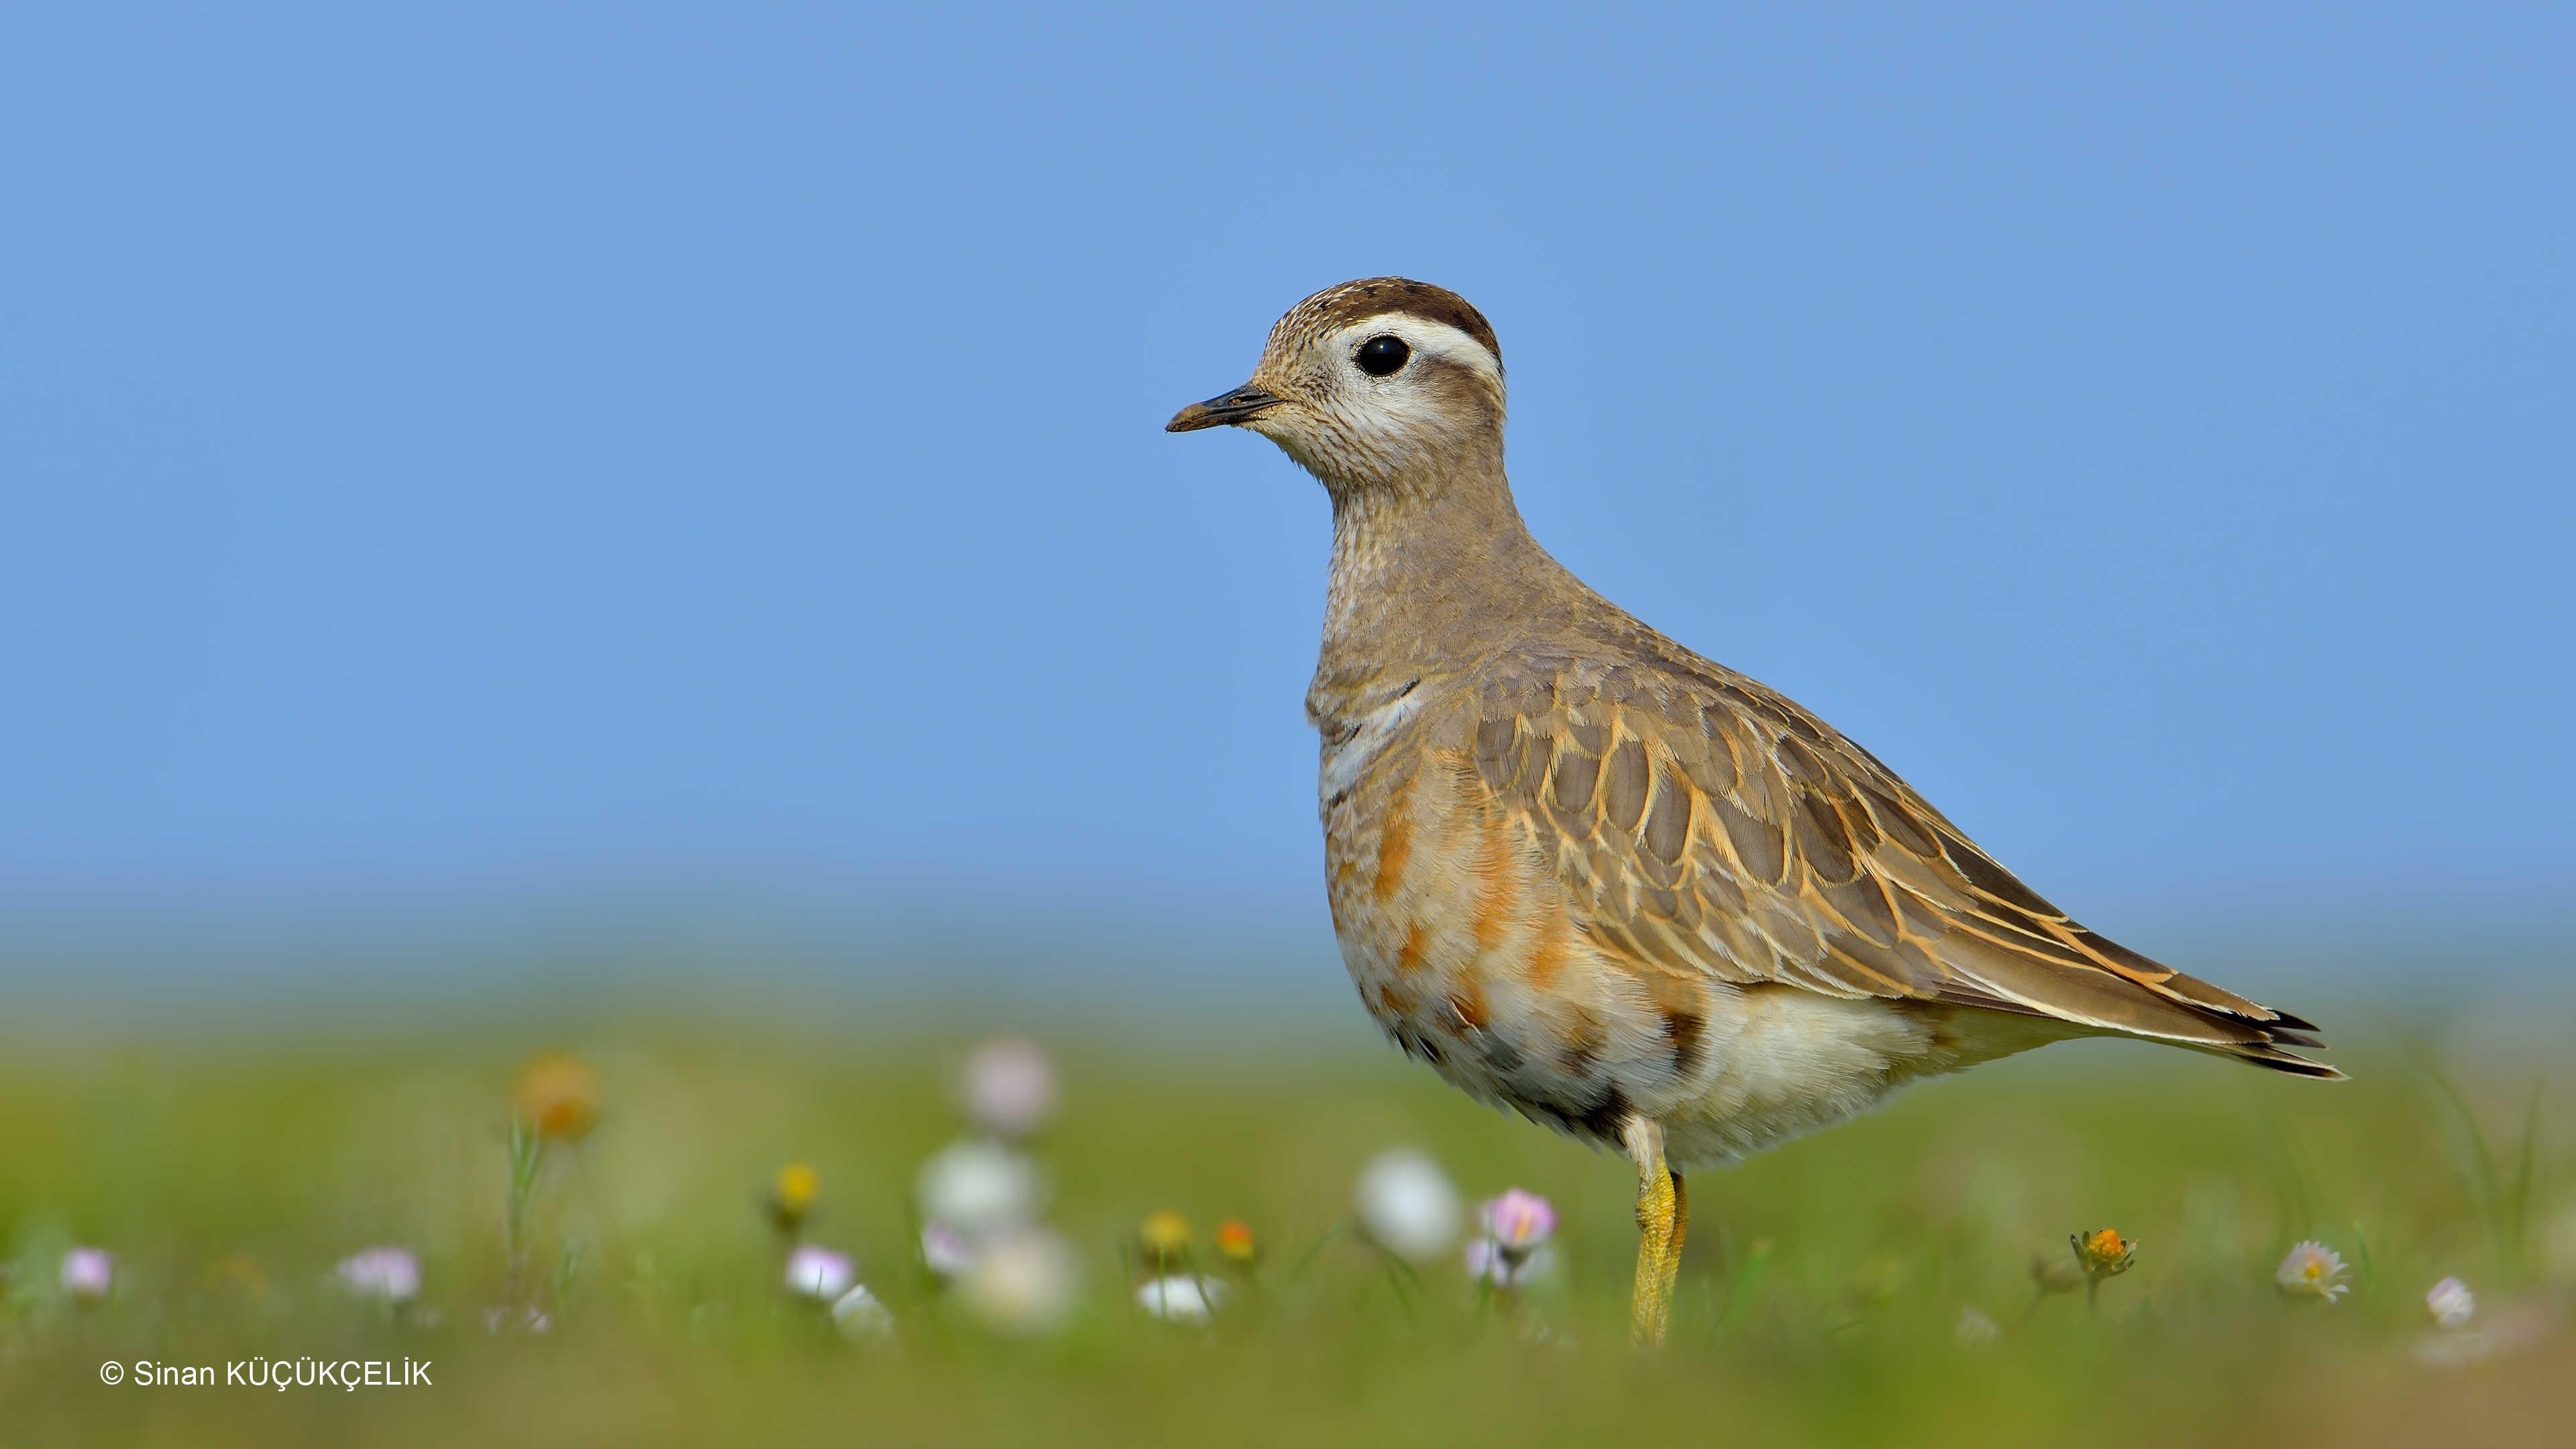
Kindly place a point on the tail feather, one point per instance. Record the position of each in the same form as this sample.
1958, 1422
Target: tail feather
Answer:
2281, 1061
2116, 1003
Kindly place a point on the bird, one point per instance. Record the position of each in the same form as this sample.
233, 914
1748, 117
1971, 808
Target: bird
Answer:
1595, 878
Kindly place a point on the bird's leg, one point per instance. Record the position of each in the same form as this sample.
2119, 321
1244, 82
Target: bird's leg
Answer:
1663, 1215
1673, 1244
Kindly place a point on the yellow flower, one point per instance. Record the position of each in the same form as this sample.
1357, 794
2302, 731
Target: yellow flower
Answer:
798, 1186
1165, 1237
2102, 1254
793, 1194
1235, 1243
558, 1096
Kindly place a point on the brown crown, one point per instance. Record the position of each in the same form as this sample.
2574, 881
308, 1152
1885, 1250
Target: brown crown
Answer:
1336, 307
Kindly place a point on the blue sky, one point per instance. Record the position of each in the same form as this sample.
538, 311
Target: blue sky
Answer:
495, 460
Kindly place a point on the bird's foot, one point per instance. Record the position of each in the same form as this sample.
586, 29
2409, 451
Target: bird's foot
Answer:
1663, 1217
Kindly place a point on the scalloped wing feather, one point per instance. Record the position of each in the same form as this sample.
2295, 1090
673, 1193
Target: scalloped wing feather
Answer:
1703, 823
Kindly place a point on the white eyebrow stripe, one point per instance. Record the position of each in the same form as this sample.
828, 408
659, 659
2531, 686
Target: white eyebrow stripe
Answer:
1434, 339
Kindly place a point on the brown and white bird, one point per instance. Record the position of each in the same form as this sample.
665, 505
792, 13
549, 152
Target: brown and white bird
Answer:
1591, 876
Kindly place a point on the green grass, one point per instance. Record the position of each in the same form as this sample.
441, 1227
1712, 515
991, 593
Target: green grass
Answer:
1818, 1304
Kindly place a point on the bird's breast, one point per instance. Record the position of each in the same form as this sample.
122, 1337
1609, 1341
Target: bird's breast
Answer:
1464, 945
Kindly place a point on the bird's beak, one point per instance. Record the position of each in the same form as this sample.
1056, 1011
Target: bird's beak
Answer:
1239, 406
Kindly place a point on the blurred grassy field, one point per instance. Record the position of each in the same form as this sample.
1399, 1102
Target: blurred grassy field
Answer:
1819, 1303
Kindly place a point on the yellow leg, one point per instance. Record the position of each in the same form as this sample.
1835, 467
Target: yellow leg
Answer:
1673, 1244
1663, 1217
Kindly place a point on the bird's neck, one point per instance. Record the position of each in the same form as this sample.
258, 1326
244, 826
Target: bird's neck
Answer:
1425, 580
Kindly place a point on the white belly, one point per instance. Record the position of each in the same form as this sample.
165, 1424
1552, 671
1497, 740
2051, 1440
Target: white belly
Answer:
1799, 1062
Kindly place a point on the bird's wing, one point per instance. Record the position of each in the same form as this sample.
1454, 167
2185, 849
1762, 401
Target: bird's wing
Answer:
1703, 823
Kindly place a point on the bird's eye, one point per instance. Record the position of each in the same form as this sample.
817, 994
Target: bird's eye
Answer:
1381, 356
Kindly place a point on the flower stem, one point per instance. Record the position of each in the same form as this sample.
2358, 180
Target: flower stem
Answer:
527, 1152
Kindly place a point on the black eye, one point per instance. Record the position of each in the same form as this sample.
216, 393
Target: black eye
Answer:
1381, 356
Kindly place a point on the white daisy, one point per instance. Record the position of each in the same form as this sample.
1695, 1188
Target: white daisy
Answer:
2312, 1269
1180, 1298
859, 1315
1407, 1205
982, 1190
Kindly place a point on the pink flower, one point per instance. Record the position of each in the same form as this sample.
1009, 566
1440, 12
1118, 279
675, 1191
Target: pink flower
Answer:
2451, 1303
1009, 1087
1519, 1222
1511, 1247
390, 1274
88, 1273
819, 1273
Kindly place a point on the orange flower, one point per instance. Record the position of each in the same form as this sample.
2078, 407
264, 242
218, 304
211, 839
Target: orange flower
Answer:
1235, 1243
2102, 1254
558, 1096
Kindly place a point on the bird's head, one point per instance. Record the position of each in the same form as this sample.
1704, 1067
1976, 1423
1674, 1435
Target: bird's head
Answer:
1375, 384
